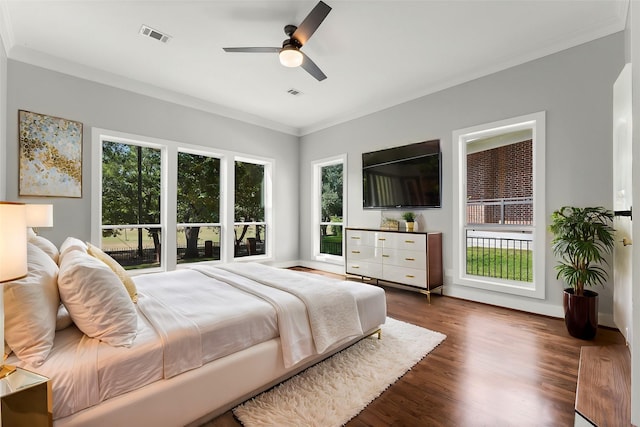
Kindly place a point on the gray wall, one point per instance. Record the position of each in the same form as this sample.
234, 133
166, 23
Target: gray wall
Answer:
95, 105
3, 119
574, 87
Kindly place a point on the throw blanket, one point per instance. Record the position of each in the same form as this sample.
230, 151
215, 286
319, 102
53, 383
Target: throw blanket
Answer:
293, 323
332, 310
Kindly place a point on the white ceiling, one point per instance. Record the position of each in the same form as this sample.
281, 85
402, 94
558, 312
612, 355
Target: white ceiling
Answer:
376, 54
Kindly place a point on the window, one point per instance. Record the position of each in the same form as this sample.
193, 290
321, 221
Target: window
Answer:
198, 208
500, 214
250, 226
161, 203
131, 200
328, 209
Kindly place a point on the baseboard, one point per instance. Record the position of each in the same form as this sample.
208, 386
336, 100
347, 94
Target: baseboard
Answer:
323, 266
463, 292
528, 305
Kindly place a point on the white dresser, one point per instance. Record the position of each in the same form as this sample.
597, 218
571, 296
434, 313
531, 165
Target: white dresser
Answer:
412, 259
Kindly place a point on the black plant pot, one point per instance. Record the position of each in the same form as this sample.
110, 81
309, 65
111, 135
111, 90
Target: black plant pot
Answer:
581, 313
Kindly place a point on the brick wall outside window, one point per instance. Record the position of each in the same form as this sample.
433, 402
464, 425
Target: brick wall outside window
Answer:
500, 185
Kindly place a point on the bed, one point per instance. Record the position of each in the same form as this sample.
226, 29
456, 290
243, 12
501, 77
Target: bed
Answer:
195, 342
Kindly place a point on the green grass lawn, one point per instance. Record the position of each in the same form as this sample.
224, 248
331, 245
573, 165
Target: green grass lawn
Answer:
331, 244
509, 264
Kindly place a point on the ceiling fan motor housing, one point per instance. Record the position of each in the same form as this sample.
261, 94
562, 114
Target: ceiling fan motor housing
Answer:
291, 44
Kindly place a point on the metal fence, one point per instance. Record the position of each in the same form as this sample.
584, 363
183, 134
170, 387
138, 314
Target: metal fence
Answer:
130, 257
489, 255
330, 248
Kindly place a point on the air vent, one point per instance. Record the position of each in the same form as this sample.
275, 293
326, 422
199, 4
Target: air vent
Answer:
154, 34
294, 92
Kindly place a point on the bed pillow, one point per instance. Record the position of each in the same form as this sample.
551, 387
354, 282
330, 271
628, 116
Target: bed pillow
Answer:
71, 244
96, 300
122, 274
47, 247
30, 308
63, 319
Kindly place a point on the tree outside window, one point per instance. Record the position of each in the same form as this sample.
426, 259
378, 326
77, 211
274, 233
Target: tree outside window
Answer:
331, 206
131, 196
250, 226
198, 208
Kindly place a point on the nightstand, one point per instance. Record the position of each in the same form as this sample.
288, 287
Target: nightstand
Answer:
25, 400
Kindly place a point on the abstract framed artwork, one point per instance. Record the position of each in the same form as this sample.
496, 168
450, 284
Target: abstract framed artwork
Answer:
50, 155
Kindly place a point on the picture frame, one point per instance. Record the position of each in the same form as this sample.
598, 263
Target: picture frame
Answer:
50, 155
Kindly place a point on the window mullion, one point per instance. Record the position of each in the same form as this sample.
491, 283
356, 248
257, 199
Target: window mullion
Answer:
170, 206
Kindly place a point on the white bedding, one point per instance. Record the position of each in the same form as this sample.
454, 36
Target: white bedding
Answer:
331, 309
209, 317
187, 319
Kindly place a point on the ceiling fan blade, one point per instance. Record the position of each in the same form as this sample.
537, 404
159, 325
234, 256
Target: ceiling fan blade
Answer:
311, 68
310, 24
252, 49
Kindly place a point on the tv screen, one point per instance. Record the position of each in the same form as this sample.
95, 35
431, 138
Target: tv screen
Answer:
402, 177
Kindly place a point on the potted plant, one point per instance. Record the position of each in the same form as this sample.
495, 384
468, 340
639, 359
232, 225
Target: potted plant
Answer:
582, 238
410, 218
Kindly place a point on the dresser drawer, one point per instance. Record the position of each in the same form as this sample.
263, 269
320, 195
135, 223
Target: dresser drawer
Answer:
360, 238
407, 276
364, 253
363, 268
415, 242
405, 258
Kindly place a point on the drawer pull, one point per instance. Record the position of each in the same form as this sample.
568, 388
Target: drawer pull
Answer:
355, 266
382, 238
355, 252
409, 259
409, 241
410, 276
355, 237
385, 256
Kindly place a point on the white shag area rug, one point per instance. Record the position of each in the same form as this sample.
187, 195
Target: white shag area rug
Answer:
339, 388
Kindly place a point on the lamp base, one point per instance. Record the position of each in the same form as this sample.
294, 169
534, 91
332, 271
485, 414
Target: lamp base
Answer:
6, 370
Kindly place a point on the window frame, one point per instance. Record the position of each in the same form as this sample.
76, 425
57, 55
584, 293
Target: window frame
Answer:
220, 223
316, 194
268, 207
461, 138
168, 207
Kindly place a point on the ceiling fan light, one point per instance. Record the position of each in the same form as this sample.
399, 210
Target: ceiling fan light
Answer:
290, 57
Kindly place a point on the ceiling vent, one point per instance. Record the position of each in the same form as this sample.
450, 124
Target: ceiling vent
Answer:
154, 34
294, 92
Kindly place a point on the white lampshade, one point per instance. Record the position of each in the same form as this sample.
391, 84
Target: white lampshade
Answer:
39, 215
13, 241
290, 57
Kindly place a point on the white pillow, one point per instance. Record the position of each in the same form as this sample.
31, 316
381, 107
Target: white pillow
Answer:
30, 308
122, 274
47, 246
30, 234
63, 319
96, 300
71, 244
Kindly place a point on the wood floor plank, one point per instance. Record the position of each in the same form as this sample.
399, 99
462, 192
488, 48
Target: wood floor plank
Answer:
497, 367
603, 393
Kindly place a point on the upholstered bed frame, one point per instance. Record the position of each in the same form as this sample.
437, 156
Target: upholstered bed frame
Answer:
197, 396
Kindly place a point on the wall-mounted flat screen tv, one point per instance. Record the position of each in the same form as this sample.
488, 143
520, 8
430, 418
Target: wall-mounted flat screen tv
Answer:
402, 177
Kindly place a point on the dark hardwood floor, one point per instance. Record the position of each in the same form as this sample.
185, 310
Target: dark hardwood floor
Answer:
497, 367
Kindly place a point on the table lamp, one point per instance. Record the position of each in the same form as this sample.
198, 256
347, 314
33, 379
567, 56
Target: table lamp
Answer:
39, 216
13, 255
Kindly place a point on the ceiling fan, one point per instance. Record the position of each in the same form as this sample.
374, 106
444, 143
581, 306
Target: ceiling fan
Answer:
290, 54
